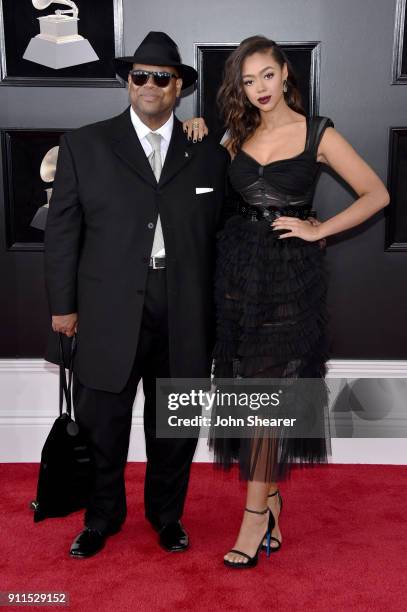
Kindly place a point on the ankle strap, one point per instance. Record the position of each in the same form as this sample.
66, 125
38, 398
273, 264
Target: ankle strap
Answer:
257, 511
275, 493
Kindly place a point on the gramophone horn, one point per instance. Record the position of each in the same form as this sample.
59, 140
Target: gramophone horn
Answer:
43, 4
49, 164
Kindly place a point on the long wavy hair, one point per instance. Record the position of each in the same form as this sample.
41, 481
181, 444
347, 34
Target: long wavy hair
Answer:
241, 118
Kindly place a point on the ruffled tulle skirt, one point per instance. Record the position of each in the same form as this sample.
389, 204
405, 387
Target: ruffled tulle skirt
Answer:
271, 323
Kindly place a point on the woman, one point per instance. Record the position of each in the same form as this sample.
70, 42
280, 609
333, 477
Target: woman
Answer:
270, 279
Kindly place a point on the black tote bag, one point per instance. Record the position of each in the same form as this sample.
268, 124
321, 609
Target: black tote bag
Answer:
66, 470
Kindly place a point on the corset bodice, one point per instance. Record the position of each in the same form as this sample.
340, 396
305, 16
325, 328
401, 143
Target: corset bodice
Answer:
283, 183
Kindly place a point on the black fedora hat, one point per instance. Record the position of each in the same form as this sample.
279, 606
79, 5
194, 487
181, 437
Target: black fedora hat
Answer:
157, 49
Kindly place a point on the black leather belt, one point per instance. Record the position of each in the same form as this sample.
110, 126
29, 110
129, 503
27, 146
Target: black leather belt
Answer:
157, 263
269, 213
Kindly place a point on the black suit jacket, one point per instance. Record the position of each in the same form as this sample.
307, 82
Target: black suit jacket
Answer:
98, 241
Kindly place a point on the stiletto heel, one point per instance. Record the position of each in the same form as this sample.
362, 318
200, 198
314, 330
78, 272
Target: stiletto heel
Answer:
252, 561
267, 546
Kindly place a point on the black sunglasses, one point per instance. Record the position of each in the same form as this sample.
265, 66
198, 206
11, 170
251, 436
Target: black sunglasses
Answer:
161, 79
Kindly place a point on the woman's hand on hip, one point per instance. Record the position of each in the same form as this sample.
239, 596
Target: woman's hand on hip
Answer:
297, 228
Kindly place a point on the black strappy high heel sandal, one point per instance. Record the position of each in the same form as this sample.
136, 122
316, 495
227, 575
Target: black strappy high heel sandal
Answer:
274, 549
252, 561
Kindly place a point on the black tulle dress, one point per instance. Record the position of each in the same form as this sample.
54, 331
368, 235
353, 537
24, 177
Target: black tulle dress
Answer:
271, 303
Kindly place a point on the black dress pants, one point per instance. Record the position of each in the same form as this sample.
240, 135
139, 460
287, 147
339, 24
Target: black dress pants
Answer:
107, 419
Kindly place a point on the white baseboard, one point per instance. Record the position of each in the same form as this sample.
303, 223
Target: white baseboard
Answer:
29, 405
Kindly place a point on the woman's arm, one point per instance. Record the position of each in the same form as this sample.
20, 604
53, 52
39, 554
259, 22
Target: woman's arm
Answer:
337, 153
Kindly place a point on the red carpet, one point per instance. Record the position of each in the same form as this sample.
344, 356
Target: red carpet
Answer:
345, 546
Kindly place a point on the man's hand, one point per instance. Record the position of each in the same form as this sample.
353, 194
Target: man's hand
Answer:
66, 324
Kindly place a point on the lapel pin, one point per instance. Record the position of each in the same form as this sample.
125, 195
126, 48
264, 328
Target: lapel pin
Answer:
186, 154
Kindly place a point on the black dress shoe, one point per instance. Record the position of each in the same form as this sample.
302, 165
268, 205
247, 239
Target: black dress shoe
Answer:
90, 541
173, 537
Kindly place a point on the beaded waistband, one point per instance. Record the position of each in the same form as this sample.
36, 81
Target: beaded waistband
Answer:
269, 213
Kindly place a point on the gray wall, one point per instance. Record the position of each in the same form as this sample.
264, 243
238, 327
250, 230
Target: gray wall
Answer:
368, 298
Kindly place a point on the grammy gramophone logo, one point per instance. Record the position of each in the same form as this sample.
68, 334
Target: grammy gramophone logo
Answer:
47, 173
58, 45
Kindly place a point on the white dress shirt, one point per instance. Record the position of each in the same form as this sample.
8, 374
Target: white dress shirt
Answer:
165, 132
142, 130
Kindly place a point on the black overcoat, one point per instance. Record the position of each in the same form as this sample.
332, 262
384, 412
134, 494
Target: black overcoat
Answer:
98, 241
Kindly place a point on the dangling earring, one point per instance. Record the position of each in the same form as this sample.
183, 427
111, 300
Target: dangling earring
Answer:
285, 88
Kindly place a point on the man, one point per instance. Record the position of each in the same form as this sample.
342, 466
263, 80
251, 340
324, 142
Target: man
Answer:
129, 254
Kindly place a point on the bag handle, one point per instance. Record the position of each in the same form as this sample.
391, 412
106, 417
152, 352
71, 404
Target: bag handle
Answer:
64, 386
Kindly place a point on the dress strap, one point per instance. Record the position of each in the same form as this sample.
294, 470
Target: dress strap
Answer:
316, 127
